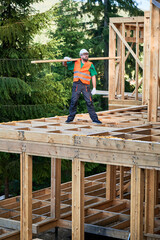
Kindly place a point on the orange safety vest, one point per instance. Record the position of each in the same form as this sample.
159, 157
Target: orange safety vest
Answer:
83, 73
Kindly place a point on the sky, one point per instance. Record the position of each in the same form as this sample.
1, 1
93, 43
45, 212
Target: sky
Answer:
47, 4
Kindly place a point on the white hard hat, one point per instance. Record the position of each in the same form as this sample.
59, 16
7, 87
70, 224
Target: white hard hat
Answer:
83, 51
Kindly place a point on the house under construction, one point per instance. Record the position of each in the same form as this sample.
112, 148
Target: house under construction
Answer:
124, 201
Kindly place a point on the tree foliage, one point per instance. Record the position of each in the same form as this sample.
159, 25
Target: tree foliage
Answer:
29, 91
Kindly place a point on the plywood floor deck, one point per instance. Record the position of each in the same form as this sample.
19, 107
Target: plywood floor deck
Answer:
125, 139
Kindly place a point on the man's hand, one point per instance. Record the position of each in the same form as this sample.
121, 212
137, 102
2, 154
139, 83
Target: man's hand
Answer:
93, 92
67, 58
65, 63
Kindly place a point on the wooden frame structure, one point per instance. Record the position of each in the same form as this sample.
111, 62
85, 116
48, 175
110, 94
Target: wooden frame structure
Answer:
122, 201
123, 31
126, 139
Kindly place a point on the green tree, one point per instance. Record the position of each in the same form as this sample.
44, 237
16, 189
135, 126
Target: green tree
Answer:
99, 13
26, 90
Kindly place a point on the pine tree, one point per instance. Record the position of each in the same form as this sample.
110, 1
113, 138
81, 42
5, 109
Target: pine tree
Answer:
99, 12
26, 90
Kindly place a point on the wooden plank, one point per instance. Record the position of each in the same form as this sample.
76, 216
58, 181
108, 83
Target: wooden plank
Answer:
127, 55
118, 66
127, 19
77, 200
126, 44
14, 235
112, 151
111, 182
137, 55
121, 181
112, 70
146, 70
123, 64
137, 195
26, 197
55, 187
150, 199
154, 63
99, 230
75, 59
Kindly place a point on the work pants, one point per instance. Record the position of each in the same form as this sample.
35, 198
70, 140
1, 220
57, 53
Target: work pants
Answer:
77, 88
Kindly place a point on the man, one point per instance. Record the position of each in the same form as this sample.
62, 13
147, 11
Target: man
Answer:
84, 71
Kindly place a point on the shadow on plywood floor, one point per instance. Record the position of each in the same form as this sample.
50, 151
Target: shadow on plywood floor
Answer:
66, 234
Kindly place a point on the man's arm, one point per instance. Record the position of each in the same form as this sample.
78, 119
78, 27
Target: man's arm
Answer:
94, 85
94, 81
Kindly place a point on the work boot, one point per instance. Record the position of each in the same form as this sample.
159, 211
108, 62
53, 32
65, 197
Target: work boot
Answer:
97, 122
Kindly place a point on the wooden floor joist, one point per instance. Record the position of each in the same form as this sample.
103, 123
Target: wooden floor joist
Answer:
126, 142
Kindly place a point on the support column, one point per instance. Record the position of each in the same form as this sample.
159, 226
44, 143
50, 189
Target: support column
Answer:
137, 195
55, 187
154, 62
119, 64
123, 64
112, 68
111, 182
146, 69
121, 185
26, 197
137, 55
150, 199
77, 200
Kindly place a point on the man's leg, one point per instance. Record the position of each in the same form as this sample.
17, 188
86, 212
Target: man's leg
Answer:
76, 91
88, 98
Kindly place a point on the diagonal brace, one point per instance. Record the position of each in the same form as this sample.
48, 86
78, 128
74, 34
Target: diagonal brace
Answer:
127, 45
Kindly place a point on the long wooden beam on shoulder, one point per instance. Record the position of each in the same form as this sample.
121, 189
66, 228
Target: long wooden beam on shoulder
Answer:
75, 59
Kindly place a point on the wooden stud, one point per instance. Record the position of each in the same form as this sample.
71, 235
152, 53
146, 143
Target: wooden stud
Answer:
26, 197
112, 70
137, 195
77, 200
150, 199
137, 65
123, 64
121, 181
146, 70
55, 187
111, 182
154, 63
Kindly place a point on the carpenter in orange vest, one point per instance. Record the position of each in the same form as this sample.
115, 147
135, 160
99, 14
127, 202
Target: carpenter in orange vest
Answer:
84, 71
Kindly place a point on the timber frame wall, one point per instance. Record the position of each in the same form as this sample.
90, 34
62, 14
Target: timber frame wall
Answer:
134, 30
128, 139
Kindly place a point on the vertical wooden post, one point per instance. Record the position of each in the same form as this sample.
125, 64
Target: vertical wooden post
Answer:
146, 66
150, 199
159, 67
154, 63
121, 181
77, 200
26, 197
137, 195
112, 69
111, 182
55, 187
118, 66
123, 64
137, 55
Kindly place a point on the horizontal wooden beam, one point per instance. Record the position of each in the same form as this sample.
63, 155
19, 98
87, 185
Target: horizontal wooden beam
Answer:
75, 59
111, 151
127, 19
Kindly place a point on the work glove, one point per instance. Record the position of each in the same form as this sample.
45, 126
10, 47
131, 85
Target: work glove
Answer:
65, 63
93, 92
67, 58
